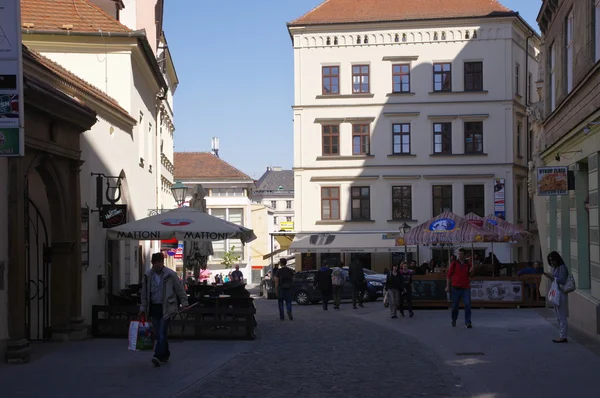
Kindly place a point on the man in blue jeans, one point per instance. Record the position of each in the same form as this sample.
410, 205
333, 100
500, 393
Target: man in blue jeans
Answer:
284, 281
458, 284
161, 288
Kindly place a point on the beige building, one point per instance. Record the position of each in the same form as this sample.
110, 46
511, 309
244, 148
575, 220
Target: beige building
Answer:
400, 115
568, 141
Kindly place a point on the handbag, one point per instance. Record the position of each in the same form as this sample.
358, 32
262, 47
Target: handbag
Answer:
141, 336
569, 285
386, 299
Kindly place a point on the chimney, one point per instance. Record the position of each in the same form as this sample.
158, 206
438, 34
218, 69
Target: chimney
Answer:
276, 168
215, 146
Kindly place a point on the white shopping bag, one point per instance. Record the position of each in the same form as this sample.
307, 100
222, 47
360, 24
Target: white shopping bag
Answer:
140, 336
554, 294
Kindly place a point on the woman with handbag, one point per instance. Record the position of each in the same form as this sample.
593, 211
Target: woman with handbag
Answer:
560, 276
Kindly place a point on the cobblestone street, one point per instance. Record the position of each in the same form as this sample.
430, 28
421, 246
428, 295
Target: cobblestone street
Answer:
329, 354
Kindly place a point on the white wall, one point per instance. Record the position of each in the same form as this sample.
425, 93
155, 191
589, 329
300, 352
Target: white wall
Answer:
494, 46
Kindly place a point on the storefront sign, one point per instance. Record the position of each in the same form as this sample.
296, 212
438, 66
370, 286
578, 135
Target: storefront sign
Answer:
12, 141
490, 290
499, 201
553, 181
286, 226
113, 215
179, 252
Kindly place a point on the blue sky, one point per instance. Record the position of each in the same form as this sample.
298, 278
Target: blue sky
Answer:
234, 60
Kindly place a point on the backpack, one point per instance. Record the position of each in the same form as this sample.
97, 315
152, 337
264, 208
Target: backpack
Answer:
337, 277
286, 278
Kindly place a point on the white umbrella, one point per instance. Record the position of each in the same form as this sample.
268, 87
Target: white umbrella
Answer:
185, 223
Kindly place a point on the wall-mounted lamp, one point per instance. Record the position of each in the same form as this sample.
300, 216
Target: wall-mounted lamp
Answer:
557, 156
588, 128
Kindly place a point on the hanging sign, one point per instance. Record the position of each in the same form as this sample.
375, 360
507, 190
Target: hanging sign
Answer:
113, 215
12, 139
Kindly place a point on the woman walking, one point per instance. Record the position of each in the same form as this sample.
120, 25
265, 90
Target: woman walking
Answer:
406, 295
394, 284
559, 274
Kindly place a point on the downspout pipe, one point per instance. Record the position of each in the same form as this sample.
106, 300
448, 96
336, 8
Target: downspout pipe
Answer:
527, 95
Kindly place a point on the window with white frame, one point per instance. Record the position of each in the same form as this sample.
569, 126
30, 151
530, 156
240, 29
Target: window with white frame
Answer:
519, 138
597, 31
288, 204
141, 135
236, 216
150, 144
227, 192
569, 50
517, 81
552, 76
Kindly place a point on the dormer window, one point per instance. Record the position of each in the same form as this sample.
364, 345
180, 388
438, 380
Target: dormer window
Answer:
335, 41
396, 38
328, 41
358, 40
435, 36
366, 41
474, 34
467, 36
443, 35
403, 37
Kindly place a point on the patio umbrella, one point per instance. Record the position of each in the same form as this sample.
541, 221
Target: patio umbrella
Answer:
480, 222
514, 232
446, 228
185, 223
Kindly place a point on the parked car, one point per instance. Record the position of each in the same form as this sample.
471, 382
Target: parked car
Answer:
305, 292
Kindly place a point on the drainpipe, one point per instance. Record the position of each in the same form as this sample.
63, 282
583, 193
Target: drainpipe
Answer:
527, 95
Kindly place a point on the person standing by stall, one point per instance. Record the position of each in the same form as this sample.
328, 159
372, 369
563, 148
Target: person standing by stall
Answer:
161, 288
406, 295
458, 284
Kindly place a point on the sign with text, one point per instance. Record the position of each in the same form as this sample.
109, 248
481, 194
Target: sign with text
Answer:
491, 290
113, 215
12, 140
553, 181
286, 226
499, 198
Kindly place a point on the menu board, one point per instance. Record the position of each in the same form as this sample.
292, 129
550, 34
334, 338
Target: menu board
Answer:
553, 181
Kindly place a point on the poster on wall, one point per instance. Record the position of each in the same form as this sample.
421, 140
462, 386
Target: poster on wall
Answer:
490, 290
12, 141
553, 181
499, 201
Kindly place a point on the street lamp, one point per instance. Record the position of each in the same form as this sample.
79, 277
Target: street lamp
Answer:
179, 192
405, 228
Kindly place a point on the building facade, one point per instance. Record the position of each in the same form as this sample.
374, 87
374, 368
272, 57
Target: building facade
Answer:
401, 115
275, 188
568, 135
228, 197
118, 61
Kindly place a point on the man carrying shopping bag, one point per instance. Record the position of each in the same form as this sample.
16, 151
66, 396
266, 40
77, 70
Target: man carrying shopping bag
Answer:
161, 288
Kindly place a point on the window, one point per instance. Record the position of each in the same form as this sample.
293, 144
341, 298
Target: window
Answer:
473, 137
442, 77
475, 200
530, 209
597, 31
552, 76
519, 202
288, 219
275, 220
401, 138
530, 145
442, 199
401, 78
402, 203
442, 138
569, 50
288, 204
274, 204
529, 87
361, 203
360, 79
236, 216
141, 135
519, 146
330, 203
227, 192
517, 82
331, 80
331, 140
360, 139
473, 76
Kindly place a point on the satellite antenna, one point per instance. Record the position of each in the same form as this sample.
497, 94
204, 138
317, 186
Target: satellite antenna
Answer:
215, 146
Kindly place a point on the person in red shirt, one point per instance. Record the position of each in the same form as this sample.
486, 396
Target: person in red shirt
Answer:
458, 284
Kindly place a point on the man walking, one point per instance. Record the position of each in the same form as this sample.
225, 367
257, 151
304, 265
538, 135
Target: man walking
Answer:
357, 278
237, 276
458, 284
284, 281
338, 278
324, 283
161, 288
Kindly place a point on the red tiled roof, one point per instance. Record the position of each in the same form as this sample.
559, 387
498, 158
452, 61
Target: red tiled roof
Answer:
82, 15
348, 11
75, 81
205, 165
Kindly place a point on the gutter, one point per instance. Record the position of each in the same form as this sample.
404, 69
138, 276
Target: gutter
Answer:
527, 94
140, 35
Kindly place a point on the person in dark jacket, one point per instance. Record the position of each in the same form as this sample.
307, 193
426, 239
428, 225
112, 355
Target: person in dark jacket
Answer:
407, 275
357, 278
394, 286
324, 284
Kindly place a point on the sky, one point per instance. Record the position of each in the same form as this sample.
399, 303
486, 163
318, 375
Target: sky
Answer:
234, 61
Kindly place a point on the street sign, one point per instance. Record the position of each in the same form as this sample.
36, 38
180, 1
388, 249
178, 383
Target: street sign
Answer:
12, 139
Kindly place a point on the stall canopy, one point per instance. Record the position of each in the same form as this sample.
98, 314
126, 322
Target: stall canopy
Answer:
514, 232
185, 224
347, 242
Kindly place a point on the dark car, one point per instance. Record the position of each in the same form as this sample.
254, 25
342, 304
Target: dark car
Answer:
305, 292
